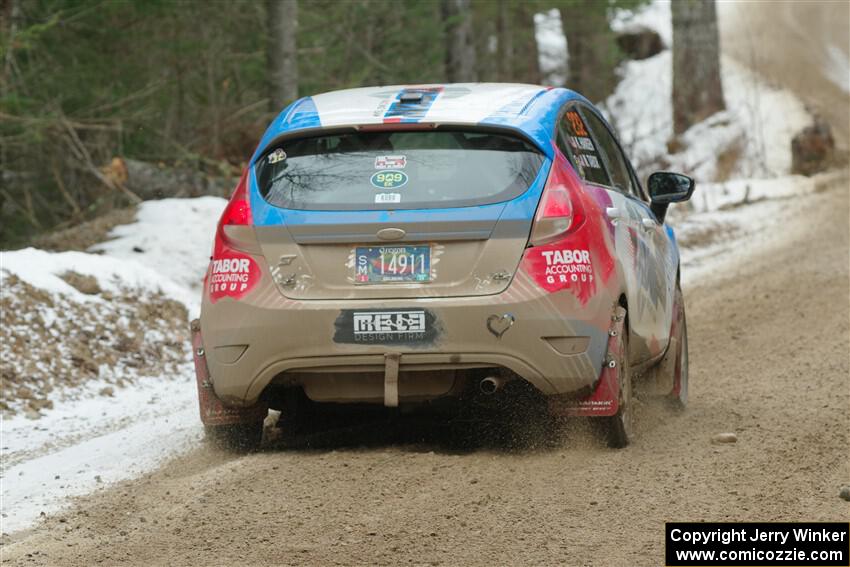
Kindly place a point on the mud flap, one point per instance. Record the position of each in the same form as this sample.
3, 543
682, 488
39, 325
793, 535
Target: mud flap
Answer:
676, 342
665, 379
391, 379
605, 398
213, 410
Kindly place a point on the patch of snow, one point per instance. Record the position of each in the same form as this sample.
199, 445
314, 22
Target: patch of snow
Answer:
92, 442
552, 52
729, 216
98, 432
724, 196
172, 236
654, 16
758, 124
837, 67
705, 142
41, 269
640, 108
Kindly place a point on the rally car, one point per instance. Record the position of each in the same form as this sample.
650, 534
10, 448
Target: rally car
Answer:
401, 245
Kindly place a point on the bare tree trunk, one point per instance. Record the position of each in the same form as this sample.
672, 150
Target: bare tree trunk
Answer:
487, 40
460, 53
281, 52
530, 57
592, 48
697, 87
506, 42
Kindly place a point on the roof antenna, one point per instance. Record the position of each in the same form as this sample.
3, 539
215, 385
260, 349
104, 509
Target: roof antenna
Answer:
410, 97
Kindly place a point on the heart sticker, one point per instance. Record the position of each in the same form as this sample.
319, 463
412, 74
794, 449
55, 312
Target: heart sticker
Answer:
499, 324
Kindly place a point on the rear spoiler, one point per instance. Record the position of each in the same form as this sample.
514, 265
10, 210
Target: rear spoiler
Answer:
395, 127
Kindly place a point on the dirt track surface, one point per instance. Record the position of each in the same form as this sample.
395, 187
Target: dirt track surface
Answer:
769, 361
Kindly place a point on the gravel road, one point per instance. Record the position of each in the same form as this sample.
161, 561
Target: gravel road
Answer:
769, 337
769, 362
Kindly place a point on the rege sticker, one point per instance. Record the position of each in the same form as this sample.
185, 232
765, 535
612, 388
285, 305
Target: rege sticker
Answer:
390, 162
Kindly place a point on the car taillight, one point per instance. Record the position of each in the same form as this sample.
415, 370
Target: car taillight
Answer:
236, 214
560, 211
233, 271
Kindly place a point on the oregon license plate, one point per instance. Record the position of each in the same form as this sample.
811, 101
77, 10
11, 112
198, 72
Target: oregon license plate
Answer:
384, 264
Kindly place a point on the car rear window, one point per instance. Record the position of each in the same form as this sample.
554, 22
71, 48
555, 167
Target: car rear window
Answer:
397, 170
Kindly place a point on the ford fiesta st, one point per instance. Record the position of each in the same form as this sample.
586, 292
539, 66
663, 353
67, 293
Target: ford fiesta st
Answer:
405, 244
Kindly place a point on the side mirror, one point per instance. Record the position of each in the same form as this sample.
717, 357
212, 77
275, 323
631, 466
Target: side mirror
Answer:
666, 187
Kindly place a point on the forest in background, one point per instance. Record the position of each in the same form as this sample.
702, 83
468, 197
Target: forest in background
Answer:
192, 85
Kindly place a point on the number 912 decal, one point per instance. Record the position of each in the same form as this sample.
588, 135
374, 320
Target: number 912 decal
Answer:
389, 179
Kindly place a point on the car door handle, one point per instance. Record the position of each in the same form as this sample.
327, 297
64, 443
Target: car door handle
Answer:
614, 213
648, 224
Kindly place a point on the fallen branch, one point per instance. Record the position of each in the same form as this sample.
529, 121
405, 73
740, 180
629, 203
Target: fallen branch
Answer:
83, 156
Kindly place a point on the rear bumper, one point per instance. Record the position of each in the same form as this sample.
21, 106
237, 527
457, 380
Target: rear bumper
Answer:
555, 342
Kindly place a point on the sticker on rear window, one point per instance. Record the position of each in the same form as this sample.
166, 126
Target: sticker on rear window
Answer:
277, 156
389, 179
388, 198
390, 162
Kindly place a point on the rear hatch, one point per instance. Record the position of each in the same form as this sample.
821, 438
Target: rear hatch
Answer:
399, 213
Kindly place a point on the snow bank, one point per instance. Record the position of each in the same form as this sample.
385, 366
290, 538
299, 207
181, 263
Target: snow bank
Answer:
757, 126
751, 138
86, 444
116, 315
43, 270
97, 379
837, 67
51, 343
742, 214
174, 236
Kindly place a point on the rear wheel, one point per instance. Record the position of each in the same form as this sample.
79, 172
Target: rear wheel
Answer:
667, 381
297, 411
679, 394
619, 428
241, 437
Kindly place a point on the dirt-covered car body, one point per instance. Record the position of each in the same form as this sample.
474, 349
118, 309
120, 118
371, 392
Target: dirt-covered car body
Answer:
522, 226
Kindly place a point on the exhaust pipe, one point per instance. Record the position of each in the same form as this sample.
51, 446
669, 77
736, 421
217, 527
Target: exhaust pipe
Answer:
491, 384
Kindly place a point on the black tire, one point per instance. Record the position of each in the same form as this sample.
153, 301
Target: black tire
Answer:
297, 412
239, 438
660, 382
679, 399
619, 428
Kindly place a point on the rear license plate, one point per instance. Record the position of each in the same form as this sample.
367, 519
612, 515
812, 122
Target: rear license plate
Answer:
386, 264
